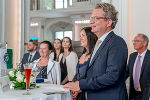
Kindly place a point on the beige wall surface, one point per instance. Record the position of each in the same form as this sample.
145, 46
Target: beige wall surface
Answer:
13, 28
138, 20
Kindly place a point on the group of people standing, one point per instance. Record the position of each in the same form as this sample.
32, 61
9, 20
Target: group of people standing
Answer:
101, 71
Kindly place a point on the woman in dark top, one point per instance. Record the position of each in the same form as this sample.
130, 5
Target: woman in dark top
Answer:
42, 72
63, 70
45, 50
48, 68
68, 61
88, 40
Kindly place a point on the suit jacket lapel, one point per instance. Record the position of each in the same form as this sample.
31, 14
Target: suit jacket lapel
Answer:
34, 57
50, 66
25, 60
132, 62
101, 47
27, 57
145, 61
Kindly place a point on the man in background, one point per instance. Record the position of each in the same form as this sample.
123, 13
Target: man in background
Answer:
31, 55
139, 69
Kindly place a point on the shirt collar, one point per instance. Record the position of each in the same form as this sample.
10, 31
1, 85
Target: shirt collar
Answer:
33, 53
143, 54
102, 38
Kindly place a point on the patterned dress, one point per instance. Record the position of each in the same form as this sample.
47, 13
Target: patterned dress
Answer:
43, 72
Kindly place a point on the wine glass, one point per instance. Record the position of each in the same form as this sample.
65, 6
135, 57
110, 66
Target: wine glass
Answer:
35, 72
28, 70
18, 65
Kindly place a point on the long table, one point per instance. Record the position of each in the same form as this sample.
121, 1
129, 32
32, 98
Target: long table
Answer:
37, 93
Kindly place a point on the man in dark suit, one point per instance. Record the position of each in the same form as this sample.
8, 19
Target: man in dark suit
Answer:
139, 69
105, 77
32, 55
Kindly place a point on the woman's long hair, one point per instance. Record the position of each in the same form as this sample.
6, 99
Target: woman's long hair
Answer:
54, 50
91, 39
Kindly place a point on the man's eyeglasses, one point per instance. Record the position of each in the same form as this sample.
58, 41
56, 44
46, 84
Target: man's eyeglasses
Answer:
137, 41
95, 18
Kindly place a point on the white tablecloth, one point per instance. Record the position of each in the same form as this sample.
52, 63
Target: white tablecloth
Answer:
37, 94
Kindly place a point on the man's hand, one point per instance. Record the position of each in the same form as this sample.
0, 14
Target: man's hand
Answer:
73, 86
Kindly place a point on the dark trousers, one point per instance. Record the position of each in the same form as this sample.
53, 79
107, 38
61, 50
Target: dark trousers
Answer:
138, 95
81, 96
146, 94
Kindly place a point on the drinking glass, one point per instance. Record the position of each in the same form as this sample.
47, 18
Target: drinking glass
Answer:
18, 65
35, 72
28, 69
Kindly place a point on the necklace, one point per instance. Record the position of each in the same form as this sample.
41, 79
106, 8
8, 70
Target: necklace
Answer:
86, 55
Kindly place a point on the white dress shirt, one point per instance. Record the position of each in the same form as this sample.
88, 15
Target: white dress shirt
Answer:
142, 58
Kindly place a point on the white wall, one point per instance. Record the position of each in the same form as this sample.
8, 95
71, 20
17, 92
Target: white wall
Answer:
138, 20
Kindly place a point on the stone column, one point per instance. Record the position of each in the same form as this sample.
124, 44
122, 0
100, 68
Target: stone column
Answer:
13, 28
68, 3
52, 4
2, 21
27, 20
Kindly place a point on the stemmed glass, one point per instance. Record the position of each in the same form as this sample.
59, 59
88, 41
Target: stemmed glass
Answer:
35, 72
28, 70
18, 65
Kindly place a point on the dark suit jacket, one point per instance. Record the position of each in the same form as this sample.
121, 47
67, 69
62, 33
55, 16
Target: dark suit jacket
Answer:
105, 79
144, 77
25, 59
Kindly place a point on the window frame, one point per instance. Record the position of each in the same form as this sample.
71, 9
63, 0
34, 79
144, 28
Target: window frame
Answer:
64, 34
63, 4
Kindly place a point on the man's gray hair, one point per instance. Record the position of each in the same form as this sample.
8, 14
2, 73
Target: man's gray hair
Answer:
110, 12
145, 38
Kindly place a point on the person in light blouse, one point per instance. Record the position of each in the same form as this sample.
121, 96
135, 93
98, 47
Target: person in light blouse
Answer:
49, 69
